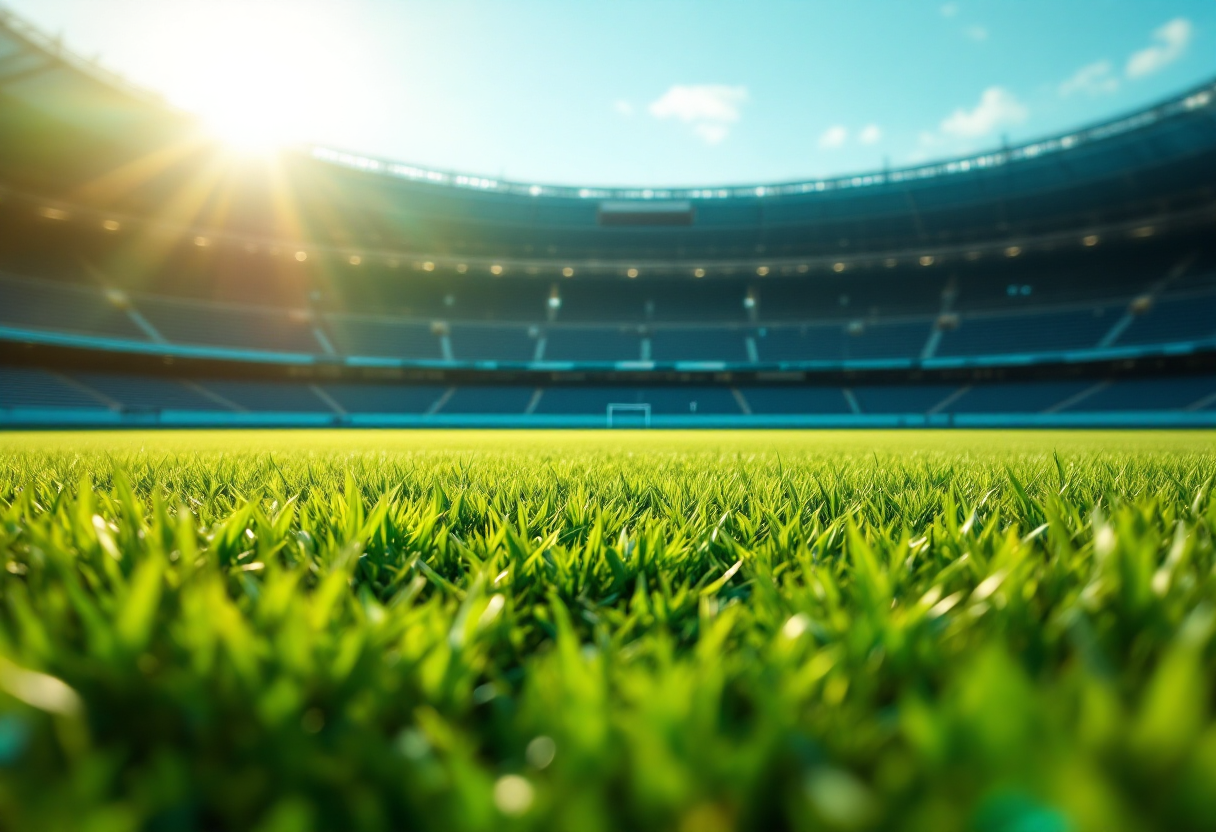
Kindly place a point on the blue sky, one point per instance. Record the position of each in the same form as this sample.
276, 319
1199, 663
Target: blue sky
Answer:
663, 92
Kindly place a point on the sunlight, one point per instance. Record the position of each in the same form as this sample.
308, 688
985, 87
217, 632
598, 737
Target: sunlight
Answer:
248, 129
258, 78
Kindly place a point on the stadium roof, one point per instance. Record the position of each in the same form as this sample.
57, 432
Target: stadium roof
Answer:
1197, 98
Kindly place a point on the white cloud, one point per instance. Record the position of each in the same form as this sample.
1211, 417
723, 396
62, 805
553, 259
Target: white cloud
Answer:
833, 137
1097, 78
950, 10
623, 108
710, 108
701, 102
711, 133
1171, 41
997, 107
976, 33
870, 134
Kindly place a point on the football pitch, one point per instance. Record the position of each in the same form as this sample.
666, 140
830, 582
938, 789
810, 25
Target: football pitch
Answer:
459, 630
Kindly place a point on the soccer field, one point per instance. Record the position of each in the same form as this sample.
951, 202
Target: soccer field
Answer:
607, 630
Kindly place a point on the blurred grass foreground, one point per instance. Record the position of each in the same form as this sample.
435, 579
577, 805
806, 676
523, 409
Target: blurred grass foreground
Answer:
607, 631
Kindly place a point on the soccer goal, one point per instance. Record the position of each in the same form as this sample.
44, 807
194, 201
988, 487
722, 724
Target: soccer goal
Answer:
632, 413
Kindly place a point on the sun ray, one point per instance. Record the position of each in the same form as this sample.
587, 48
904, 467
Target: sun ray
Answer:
142, 170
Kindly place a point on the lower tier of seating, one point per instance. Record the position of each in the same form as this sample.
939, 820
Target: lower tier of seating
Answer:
30, 396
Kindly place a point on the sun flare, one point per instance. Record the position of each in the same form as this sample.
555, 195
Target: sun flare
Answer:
257, 80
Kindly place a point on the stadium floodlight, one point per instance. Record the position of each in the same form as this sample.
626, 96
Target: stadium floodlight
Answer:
496, 269
1013, 251
567, 272
698, 272
926, 260
838, 267
1090, 240
762, 271
631, 273
639, 409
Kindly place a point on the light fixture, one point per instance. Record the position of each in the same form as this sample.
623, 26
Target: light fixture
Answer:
54, 213
202, 242
762, 271
567, 272
1013, 251
462, 267
301, 256
1143, 231
838, 267
890, 262
926, 260
1090, 240
496, 269
428, 266
698, 272
631, 273
355, 259
111, 225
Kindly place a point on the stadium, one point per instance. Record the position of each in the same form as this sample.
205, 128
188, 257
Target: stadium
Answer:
1065, 282
589, 624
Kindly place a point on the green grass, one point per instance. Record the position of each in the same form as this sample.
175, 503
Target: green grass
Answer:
605, 631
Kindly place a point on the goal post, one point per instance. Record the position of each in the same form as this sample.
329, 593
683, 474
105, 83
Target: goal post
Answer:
615, 410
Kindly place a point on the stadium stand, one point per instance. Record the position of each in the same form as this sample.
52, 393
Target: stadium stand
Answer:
23, 388
1065, 281
1173, 318
493, 343
380, 398
593, 344
700, 344
56, 398
195, 322
54, 306
363, 335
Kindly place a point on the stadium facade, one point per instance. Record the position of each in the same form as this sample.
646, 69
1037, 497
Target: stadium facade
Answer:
149, 278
